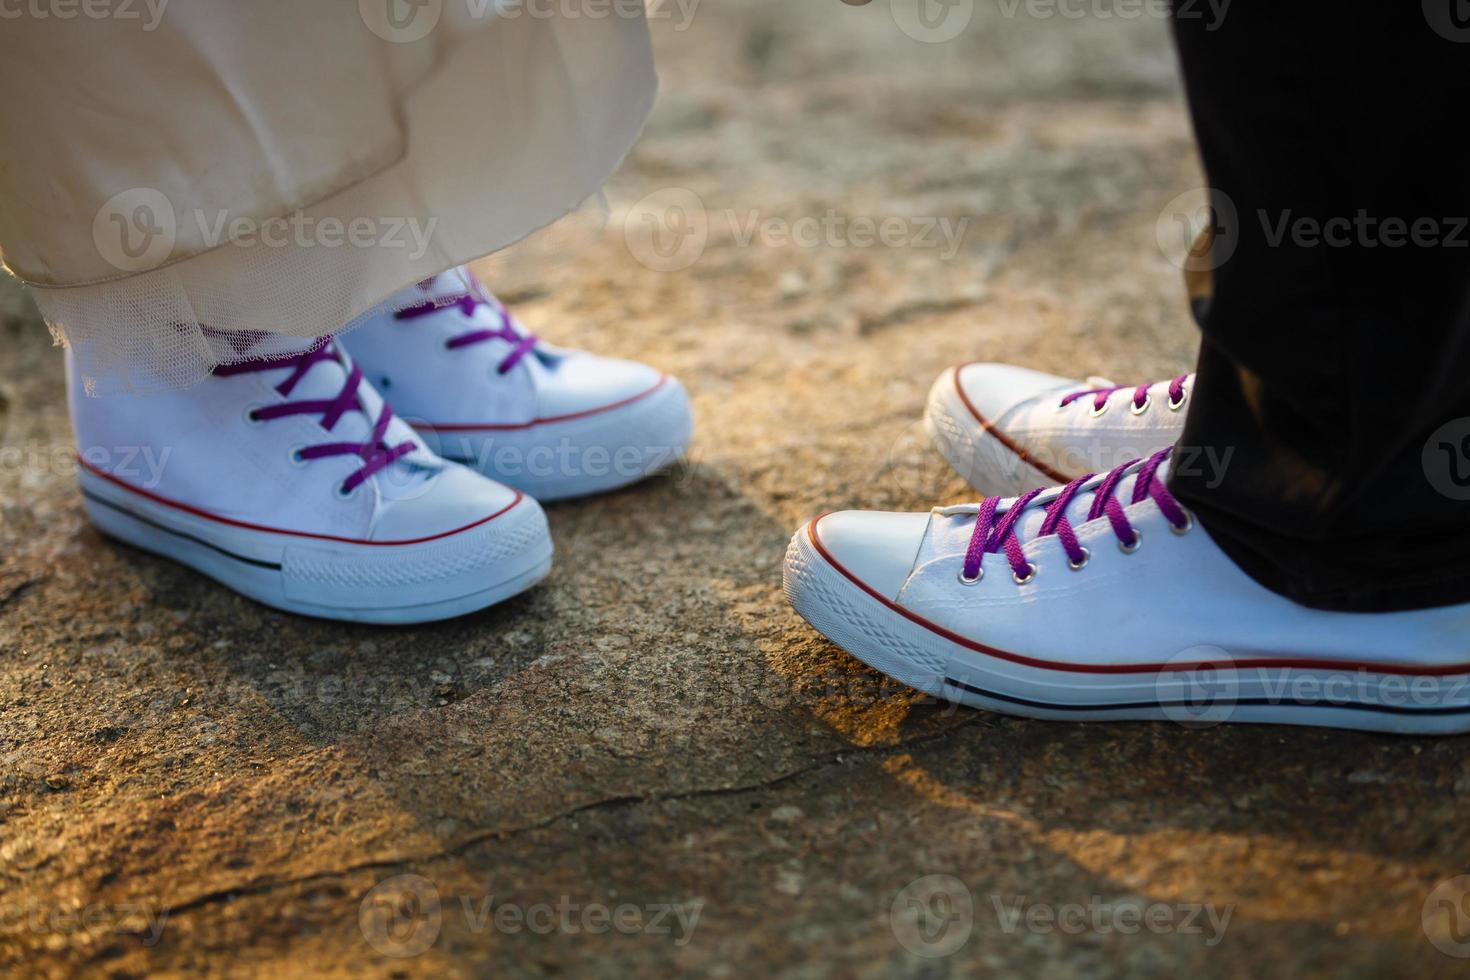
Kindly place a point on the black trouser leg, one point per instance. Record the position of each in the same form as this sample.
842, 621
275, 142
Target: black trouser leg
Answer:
1337, 336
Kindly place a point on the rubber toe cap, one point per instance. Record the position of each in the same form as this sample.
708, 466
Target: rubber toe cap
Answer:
454, 499
581, 383
992, 390
877, 548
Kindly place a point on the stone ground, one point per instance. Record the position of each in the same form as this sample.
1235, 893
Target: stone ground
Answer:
653, 726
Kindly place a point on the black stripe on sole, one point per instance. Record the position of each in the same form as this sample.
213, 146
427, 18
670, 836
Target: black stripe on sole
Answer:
275, 566
1236, 702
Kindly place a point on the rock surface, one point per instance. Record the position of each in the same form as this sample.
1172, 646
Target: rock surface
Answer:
649, 764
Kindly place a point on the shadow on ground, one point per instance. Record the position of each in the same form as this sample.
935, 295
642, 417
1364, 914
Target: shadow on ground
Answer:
653, 729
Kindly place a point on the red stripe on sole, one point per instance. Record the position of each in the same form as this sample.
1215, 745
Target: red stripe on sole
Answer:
231, 522
1062, 665
663, 379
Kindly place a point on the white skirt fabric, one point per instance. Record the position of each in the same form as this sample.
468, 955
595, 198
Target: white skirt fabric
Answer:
212, 180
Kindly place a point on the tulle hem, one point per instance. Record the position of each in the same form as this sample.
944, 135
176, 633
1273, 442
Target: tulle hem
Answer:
478, 176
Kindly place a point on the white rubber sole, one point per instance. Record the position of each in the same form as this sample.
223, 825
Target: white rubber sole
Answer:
419, 582
905, 649
577, 457
986, 461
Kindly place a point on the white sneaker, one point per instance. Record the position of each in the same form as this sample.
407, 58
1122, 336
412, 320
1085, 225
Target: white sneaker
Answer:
1103, 600
1008, 429
291, 481
553, 423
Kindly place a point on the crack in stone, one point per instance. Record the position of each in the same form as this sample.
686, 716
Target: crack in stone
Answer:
464, 844
19, 591
905, 312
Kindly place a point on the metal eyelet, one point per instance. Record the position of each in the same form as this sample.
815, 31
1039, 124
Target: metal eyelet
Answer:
1079, 565
1176, 406
1030, 575
1129, 547
342, 493
1186, 527
965, 580
1138, 409
295, 457
1095, 411
252, 416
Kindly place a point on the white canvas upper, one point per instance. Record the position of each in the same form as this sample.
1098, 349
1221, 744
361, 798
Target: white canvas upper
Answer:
1128, 635
1006, 431
192, 475
555, 423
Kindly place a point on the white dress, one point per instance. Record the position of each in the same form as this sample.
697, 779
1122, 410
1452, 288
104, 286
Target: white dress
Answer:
207, 179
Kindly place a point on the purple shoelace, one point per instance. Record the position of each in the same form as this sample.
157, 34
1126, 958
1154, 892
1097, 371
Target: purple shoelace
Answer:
1140, 394
375, 453
992, 536
467, 304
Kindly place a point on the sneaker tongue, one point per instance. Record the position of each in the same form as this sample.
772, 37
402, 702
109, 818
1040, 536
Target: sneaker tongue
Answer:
445, 288
323, 383
952, 530
452, 282
1031, 521
1079, 506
